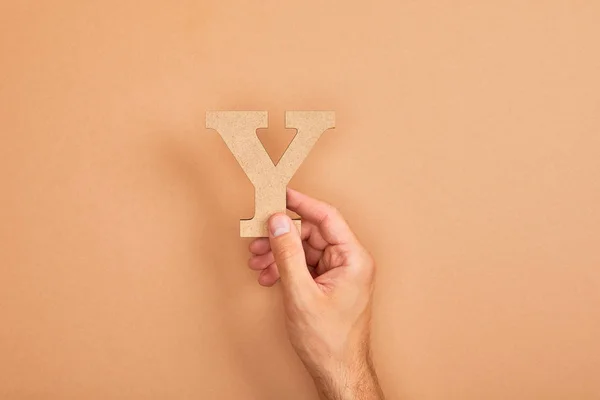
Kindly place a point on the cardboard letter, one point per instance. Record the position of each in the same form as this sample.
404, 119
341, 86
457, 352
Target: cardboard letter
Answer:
238, 130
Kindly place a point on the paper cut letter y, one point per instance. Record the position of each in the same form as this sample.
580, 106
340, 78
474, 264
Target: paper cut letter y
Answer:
238, 130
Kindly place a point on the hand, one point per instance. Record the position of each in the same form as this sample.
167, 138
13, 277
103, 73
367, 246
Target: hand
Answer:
327, 279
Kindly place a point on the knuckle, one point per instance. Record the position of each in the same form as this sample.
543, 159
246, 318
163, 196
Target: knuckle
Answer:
327, 212
336, 257
333, 212
367, 260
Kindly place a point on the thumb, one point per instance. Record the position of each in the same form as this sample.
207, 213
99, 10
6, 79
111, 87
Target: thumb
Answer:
288, 252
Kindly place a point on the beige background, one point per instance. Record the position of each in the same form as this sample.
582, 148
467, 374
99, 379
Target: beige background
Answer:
466, 156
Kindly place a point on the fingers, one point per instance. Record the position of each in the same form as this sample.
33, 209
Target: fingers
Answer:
310, 233
311, 209
268, 276
312, 255
260, 246
286, 246
331, 224
312, 242
260, 262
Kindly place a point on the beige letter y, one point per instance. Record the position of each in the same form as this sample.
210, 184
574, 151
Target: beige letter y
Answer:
238, 130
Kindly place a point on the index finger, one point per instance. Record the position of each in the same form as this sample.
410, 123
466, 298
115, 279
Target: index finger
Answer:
330, 222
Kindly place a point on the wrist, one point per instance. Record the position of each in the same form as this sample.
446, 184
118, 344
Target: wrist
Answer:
348, 381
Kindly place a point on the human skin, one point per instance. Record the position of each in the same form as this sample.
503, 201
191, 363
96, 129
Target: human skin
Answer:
327, 278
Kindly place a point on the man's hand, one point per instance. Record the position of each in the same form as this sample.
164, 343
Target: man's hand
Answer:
327, 278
